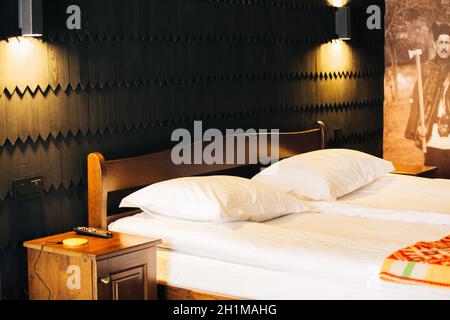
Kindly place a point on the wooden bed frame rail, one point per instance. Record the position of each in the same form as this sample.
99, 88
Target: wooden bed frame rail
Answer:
108, 176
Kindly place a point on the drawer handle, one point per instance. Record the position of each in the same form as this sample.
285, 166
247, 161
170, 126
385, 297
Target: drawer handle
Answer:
105, 280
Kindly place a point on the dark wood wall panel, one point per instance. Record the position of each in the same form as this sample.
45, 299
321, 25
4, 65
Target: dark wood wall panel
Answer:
62, 159
167, 18
9, 19
33, 65
97, 60
139, 69
13, 272
96, 110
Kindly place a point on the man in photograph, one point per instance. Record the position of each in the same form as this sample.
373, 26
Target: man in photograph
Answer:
436, 95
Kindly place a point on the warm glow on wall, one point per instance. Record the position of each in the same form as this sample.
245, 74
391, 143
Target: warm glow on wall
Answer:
20, 46
337, 3
338, 56
27, 62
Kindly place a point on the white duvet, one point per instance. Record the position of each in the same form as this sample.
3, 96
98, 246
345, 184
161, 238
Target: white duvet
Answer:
397, 198
336, 252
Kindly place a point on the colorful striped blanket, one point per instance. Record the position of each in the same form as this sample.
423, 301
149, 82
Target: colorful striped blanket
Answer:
425, 263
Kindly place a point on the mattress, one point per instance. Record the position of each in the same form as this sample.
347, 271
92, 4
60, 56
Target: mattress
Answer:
299, 256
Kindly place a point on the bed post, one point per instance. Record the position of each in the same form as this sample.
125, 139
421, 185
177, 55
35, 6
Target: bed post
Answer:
97, 191
322, 134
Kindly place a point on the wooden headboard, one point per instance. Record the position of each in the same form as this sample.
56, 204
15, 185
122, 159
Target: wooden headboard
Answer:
109, 176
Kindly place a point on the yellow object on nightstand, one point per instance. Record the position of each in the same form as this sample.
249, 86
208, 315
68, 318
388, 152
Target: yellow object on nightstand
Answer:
75, 242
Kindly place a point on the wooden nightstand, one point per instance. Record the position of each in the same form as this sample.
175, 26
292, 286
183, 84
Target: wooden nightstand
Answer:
120, 268
418, 171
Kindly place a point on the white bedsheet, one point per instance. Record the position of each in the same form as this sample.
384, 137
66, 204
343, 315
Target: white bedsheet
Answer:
311, 255
238, 280
395, 198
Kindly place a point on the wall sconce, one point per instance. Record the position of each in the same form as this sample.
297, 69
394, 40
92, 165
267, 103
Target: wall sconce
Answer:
30, 18
343, 25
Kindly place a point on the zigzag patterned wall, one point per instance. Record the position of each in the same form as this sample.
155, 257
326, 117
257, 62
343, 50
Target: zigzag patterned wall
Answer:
139, 69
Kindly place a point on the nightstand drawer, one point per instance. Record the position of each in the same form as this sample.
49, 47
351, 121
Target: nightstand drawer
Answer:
124, 285
127, 277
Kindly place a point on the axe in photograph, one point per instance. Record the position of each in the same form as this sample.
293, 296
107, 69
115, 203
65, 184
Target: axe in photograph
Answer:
417, 53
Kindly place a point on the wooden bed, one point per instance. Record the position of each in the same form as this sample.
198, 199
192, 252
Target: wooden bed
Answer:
105, 177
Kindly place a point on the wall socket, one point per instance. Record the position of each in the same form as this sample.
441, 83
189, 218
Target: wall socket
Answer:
28, 187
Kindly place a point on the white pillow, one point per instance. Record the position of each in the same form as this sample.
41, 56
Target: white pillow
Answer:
214, 199
325, 174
